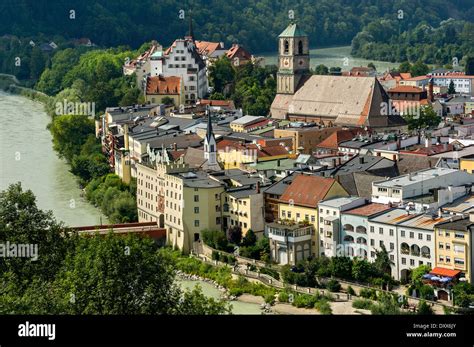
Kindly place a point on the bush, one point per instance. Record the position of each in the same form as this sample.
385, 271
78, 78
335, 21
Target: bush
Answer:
215, 255
269, 298
270, 272
305, 300
333, 285
323, 307
368, 293
224, 258
351, 291
283, 297
363, 304
424, 308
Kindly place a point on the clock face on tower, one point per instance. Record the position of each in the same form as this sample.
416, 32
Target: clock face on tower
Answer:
286, 62
301, 62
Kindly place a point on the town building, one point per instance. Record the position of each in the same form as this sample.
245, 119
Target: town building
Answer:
300, 200
305, 139
159, 88
454, 246
330, 228
328, 100
355, 226
424, 182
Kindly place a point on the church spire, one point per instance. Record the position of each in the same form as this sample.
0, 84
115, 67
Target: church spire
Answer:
209, 132
210, 146
190, 30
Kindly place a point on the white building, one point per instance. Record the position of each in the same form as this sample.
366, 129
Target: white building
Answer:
463, 84
329, 223
401, 188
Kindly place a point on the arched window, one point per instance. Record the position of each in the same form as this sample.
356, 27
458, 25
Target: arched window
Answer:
348, 238
405, 248
361, 230
348, 227
425, 252
286, 46
361, 240
415, 250
300, 47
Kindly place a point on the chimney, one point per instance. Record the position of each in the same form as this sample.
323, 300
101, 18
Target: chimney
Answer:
257, 187
427, 142
334, 162
430, 91
125, 136
361, 160
175, 146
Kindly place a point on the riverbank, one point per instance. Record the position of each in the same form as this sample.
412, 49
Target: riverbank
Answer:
27, 156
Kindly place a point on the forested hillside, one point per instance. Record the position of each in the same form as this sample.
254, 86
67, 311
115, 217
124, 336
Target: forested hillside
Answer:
254, 23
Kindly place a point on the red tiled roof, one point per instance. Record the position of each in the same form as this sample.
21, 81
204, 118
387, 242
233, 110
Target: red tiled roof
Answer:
238, 51
432, 150
405, 75
440, 271
333, 140
274, 150
369, 209
226, 103
307, 190
405, 89
163, 85
206, 47
258, 124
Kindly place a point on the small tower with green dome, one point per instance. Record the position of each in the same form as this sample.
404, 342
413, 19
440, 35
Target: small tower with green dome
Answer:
293, 58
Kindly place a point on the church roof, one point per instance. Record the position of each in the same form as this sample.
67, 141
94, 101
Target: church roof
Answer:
292, 30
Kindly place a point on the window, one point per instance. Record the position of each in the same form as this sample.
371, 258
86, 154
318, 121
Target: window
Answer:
289, 214
381, 231
297, 216
283, 214
372, 254
286, 47
420, 236
381, 243
196, 210
441, 259
300, 47
448, 246
448, 259
391, 232
306, 217
428, 237
404, 261
412, 234
459, 235
392, 258
402, 232
441, 245
372, 242
392, 246
312, 219
458, 261
196, 198
321, 219
412, 262
372, 229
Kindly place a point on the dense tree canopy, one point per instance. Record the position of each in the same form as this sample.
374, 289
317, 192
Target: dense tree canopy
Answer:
91, 275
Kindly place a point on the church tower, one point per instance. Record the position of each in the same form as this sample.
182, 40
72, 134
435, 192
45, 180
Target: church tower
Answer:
293, 59
210, 146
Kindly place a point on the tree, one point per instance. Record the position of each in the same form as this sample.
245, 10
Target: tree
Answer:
341, 267
424, 308
221, 73
427, 118
417, 273
167, 101
451, 88
372, 65
362, 270
469, 69
70, 132
419, 69
249, 239
382, 262
405, 67
321, 69
234, 234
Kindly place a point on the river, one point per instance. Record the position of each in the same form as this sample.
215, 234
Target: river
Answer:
334, 57
210, 291
27, 156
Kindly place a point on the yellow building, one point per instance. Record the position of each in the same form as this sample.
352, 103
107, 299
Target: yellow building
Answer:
240, 124
305, 140
234, 154
454, 246
300, 201
467, 164
159, 87
245, 208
